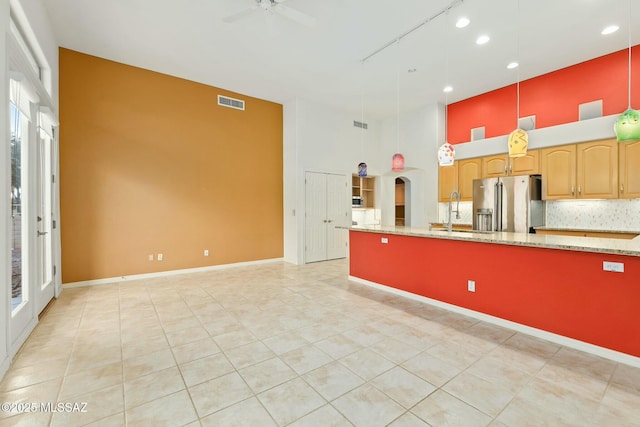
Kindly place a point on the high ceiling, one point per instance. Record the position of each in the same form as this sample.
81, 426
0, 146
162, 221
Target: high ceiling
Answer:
268, 56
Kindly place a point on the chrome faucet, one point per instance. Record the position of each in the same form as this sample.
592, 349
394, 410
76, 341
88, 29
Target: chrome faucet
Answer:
457, 211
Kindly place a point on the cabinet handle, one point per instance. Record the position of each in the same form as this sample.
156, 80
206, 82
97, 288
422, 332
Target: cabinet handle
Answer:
579, 190
510, 169
573, 191
505, 169
622, 188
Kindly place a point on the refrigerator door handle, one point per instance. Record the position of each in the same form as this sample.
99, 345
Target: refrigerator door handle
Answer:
496, 208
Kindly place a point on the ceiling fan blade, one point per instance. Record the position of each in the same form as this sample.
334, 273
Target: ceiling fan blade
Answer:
239, 15
294, 15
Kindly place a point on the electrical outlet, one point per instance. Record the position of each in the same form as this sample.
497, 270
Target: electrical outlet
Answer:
471, 285
616, 267
206, 252
150, 257
160, 257
384, 240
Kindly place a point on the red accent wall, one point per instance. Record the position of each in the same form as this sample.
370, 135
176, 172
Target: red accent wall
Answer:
559, 291
552, 97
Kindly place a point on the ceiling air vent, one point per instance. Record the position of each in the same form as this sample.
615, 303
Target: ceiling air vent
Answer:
225, 101
360, 125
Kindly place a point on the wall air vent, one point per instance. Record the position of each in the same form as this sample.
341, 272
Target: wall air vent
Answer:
225, 101
360, 125
527, 123
477, 133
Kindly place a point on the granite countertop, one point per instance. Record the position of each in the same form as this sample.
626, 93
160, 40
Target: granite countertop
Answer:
574, 243
587, 230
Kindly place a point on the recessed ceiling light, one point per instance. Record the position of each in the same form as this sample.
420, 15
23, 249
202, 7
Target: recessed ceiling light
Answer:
512, 65
482, 39
610, 30
462, 22
447, 89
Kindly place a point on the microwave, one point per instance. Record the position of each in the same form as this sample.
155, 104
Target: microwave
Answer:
357, 202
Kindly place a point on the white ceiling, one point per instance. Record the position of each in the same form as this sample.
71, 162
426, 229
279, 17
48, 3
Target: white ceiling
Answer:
271, 57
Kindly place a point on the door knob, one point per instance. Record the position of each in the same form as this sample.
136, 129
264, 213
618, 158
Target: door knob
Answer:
41, 233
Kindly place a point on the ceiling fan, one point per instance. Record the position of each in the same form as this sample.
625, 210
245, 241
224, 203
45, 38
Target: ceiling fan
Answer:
271, 6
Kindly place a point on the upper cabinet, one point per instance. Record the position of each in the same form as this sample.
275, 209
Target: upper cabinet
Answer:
558, 167
447, 181
468, 170
629, 170
503, 165
580, 171
597, 169
364, 187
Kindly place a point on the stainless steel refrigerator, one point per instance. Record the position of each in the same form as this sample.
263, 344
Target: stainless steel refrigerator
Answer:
510, 203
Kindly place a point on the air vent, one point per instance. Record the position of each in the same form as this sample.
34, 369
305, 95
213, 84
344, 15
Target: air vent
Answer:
527, 123
477, 133
360, 125
590, 110
225, 101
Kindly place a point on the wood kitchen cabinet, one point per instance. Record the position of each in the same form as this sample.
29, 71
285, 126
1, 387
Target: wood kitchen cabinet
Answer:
629, 170
447, 181
468, 170
558, 168
580, 171
597, 170
503, 165
364, 187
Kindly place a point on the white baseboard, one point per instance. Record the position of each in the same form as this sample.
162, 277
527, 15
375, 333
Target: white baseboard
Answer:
110, 280
616, 356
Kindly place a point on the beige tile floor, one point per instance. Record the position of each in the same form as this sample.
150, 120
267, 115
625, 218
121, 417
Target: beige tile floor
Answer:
279, 344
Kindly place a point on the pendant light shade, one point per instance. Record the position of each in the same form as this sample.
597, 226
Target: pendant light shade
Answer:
397, 162
446, 154
627, 127
362, 169
518, 142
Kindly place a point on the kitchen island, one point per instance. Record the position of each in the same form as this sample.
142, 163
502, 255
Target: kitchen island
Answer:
551, 286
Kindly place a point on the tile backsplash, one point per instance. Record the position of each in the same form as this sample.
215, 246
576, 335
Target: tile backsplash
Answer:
594, 214
466, 209
621, 215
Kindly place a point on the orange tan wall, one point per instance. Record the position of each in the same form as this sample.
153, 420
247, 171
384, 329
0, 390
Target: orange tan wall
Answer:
150, 164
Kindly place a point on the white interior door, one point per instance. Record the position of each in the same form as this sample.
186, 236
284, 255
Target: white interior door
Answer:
337, 214
326, 205
315, 217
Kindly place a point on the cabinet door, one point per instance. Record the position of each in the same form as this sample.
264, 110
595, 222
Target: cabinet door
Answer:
529, 164
558, 168
494, 166
468, 170
597, 170
447, 181
629, 170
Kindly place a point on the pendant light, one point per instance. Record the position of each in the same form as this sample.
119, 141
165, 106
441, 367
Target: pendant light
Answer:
518, 139
627, 126
397, 161
446, 152
362, 166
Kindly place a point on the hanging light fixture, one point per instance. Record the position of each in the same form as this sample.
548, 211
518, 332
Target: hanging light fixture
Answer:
362, 166
518, 139
397, 161
446, 152
627, 126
